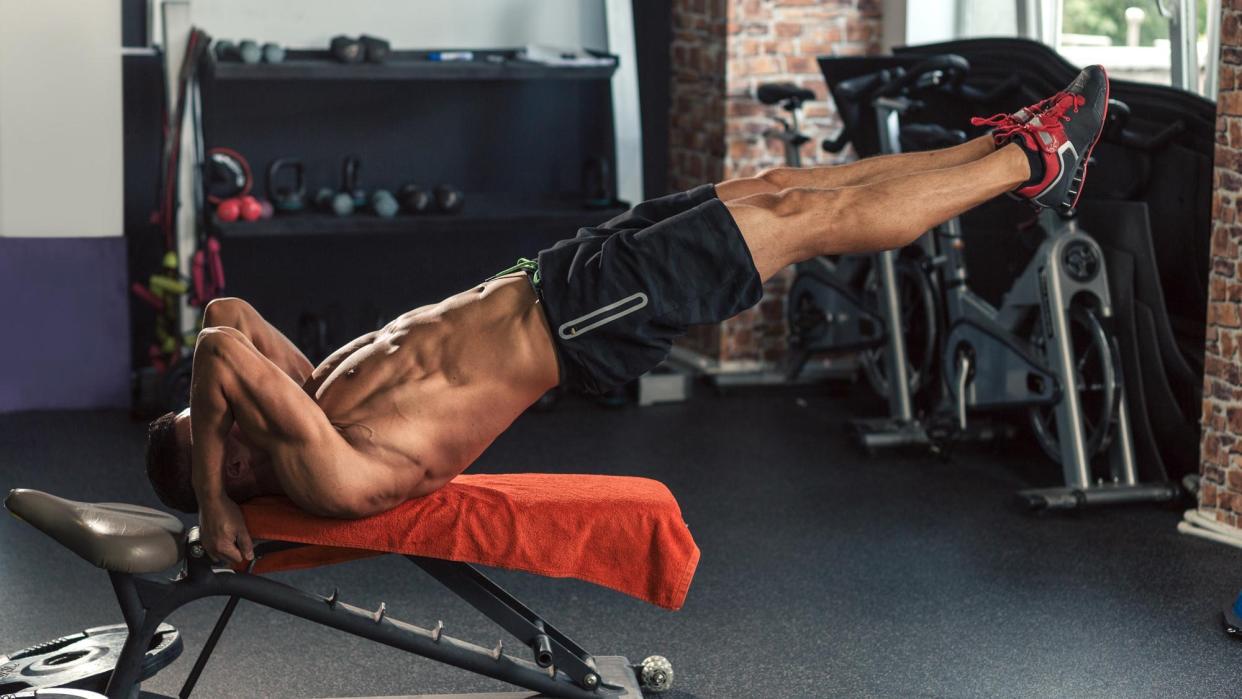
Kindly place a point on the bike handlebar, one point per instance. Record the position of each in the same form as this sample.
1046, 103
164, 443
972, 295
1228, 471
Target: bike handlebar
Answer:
1115, 130
930, 72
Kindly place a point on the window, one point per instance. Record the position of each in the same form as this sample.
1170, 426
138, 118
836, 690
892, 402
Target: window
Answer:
1131, 37
1137, 39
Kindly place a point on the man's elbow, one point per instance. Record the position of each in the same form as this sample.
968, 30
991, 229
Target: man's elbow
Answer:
344, 505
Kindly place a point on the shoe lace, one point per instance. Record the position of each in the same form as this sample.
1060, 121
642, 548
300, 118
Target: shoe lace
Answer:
1051, 112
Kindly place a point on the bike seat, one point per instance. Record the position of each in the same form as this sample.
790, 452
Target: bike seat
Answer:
775, 93
113, 536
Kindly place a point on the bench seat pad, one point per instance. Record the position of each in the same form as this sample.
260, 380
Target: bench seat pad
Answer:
620, 532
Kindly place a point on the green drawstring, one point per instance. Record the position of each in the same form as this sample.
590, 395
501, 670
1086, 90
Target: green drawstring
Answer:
523, 265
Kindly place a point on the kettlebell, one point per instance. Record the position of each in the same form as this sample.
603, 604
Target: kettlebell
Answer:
350, 169
286, 196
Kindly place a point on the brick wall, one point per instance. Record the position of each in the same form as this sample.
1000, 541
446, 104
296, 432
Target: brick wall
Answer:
722, 50
1220, 495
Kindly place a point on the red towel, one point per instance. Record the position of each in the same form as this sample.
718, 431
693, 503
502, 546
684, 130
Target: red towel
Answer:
623, 533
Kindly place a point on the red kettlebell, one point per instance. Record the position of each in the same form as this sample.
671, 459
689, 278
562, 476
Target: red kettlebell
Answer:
228, 210
251, 209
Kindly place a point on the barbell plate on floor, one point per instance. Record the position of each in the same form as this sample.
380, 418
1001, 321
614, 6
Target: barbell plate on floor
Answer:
83, 660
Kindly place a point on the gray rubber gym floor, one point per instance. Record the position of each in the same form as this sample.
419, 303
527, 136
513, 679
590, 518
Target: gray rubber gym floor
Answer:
824, 574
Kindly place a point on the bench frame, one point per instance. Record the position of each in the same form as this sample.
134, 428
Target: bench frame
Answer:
561, 668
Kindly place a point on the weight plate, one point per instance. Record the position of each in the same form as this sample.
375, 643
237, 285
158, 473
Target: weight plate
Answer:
83, 660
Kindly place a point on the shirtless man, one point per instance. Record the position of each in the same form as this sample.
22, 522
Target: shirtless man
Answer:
399, 412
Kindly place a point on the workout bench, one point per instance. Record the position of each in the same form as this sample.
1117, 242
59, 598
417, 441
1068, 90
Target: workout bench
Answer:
620, 532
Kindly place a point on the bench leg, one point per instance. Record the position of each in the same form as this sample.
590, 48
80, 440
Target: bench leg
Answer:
124, 682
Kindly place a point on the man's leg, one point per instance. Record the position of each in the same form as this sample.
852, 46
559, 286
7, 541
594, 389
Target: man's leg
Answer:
860, 172
792, 225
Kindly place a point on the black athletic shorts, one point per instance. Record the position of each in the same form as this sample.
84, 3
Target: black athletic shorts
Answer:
617, 295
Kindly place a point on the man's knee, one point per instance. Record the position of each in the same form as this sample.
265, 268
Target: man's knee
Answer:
778, 177
226, 311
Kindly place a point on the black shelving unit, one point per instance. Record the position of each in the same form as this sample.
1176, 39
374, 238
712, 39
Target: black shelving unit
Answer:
513, 134
505, 64
484, 213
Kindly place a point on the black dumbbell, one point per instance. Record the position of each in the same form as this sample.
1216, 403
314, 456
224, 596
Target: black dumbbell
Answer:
375, 48
347, 49
226, 50
449, 200
414, 199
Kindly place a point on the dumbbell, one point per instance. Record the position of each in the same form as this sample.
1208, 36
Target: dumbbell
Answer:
226, 50
347, 50
246, 208
384, 204
339, 203
375, 48
249, 51
273, 53
449, 200
414, 199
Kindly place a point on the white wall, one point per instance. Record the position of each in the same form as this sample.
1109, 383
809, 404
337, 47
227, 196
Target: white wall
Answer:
408, 23
61, 169
929, 21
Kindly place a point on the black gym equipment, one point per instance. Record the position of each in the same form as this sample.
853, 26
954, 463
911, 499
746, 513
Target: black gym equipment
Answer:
1149, 207
138, 543
286, 196
225, 50
1045, 348
414, 199
374, 48
347, 50
228, 175
351, 171
449, 199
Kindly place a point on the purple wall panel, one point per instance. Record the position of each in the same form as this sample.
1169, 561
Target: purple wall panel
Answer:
64, 323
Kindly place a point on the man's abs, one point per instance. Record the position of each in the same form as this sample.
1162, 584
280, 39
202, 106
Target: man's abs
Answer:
426, 394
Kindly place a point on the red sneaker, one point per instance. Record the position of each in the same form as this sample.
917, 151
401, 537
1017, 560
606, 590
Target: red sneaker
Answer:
1063, 130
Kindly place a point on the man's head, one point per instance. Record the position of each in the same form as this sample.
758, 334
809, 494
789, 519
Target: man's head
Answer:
169, 463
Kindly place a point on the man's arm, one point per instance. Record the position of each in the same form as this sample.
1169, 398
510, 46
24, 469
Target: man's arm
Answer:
235, 384
265, 338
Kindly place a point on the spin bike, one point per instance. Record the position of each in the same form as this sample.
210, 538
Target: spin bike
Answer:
833, 309
1045, 349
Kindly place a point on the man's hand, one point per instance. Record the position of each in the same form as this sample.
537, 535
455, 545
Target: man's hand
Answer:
222, 531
